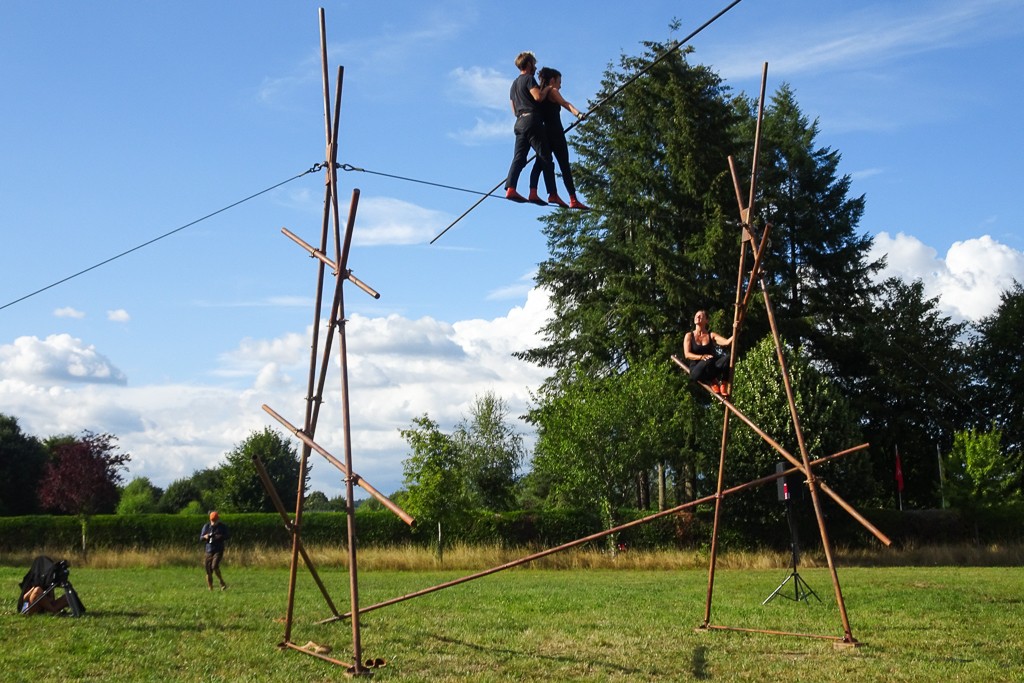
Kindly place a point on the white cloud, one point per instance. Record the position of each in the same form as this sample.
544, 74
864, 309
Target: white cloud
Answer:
399, 369
864, 39
484, 131
518, 290
968, 280
480, 87
57, 359
118, 316
68, 312
382, 220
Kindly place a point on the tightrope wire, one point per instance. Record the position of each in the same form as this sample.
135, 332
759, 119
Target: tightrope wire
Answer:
315, 167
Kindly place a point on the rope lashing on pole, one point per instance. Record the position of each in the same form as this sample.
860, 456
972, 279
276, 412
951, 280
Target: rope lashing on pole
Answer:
605, 99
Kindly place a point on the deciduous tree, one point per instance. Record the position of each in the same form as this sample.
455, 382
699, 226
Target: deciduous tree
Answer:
597, 435
913, 389
492, 451
82, 477
138, 497
828, 424
978, 473
22, 461
435, 480
83, 474
241, 488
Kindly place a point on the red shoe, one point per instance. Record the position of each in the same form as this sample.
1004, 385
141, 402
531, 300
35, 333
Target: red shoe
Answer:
577, 204
553, 198
715, 388
534, 198
511, 193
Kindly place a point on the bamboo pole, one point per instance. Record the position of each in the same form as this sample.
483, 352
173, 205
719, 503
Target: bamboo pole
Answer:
365, 485
586, 539
812, 482
268, 486
731, 407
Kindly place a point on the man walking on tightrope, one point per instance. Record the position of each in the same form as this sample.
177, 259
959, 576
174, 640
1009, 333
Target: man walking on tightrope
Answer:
214, 534
524, 95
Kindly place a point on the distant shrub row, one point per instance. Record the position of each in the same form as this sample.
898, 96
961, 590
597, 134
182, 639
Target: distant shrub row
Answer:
374, 528
513, 529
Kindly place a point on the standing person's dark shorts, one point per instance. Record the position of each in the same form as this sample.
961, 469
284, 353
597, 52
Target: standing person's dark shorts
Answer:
214, 534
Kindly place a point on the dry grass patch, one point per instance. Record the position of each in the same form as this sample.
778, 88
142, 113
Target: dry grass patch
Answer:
475, 558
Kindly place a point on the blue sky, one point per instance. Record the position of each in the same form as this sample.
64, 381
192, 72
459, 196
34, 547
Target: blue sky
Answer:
122, 121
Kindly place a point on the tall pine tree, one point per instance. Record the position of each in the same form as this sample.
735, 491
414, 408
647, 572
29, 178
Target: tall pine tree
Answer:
627, 277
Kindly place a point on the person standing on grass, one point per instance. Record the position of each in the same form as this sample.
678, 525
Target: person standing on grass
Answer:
214, 534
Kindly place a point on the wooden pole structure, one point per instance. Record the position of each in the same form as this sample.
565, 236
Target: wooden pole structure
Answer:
745, 214
803, 464
366, 486
268, 486
812, 481
330, 227
593, 537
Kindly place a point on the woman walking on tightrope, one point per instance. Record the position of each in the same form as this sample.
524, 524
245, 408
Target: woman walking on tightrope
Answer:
700, 347
551, 112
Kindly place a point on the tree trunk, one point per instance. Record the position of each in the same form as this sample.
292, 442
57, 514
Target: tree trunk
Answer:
83, 520
661, 486
643, 498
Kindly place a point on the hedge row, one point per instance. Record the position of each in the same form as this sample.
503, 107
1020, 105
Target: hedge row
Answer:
375, 528
514, 529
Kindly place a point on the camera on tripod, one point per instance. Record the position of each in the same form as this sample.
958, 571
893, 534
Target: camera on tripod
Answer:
42, 579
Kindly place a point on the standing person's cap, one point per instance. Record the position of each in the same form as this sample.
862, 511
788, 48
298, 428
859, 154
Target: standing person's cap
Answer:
214, 516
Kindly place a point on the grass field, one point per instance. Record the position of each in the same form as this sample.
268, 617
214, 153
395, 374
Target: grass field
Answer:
161, 624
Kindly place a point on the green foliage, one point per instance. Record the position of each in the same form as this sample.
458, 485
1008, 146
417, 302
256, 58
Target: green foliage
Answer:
912, 387
22, 460
594, 435
827, 422
180, 494
817, 264
138, 497
977, 472
492, 452
60, 534
194, 507
241, 489
435, 478
1000, 366
317, 501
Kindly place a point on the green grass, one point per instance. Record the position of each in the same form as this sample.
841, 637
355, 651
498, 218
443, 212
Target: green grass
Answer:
161, 624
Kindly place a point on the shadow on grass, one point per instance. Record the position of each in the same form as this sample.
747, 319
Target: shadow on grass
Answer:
534, 655
699, 663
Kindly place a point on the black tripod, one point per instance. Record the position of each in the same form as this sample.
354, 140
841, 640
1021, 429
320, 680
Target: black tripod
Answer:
801, 590
54, 575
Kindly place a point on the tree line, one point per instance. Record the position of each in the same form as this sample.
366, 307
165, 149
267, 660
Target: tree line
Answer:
84, 475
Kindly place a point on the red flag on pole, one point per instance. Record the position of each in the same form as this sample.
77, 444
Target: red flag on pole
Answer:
899, 472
